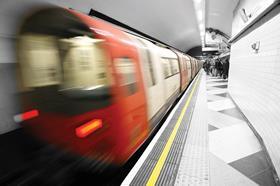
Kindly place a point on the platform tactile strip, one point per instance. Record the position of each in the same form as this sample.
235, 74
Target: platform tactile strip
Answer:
194, 165
170, 168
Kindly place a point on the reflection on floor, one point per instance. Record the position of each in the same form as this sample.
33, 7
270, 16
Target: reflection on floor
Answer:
236, 157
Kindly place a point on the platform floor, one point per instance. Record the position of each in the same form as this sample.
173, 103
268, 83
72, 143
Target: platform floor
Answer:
204, 141
236, 156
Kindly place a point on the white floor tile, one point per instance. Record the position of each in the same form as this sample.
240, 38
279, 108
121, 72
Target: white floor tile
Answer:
214, 80
222, 174
216, 84
220, 104
214, 97
217, 91
233, 143
221, 120
212, 88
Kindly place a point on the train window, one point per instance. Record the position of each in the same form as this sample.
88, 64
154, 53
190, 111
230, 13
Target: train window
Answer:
63, 67
152, 80
174, 66
77, 65
148, 66
41, 65
166, 67
84, 66
126, 69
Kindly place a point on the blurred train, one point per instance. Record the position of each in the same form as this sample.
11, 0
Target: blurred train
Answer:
92, 89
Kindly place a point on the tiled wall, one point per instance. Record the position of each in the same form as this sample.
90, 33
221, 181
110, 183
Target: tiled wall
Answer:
254, 80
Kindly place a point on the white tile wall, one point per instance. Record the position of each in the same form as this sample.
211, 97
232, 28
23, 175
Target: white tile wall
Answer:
254, 81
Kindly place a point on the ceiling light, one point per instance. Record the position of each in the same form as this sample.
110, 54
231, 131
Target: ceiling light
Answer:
197, 1
199, 15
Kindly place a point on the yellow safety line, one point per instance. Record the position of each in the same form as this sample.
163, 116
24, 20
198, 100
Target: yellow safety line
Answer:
156, 171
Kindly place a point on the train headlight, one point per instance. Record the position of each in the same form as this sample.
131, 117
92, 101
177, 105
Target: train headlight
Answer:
88, 128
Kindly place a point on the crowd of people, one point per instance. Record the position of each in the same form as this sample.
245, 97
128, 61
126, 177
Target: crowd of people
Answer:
217, 67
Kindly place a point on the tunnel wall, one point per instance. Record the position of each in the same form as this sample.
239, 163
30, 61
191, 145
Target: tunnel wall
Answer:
8, 103
254, 80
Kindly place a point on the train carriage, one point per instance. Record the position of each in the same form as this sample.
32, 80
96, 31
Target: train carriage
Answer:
189, 67
92, 89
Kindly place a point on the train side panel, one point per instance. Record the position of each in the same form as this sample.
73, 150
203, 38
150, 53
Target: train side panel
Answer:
189, 67
153, 80
170, 65
183, 71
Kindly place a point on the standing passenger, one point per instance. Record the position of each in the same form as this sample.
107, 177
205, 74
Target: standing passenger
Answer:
219, 68
225, 68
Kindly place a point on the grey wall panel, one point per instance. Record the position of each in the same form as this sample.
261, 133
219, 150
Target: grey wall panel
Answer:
254, 80
11, 13
7, 50
8, 98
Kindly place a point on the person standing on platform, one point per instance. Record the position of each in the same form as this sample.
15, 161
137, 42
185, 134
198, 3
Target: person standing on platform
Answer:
225, 68
207, 66
219, 68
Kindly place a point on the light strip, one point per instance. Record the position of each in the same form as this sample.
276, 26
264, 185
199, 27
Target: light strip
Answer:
26, 115
199, 6
88, 128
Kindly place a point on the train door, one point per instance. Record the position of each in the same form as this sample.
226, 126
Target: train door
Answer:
196, 66
193, 68
152, 80
170, 65
189, 69
183, 72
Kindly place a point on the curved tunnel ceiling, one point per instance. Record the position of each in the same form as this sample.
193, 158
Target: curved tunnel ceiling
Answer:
219, 14
172, 22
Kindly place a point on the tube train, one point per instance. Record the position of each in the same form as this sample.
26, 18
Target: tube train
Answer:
91, 88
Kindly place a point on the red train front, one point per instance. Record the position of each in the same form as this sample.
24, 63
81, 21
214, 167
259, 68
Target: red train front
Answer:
81, 86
